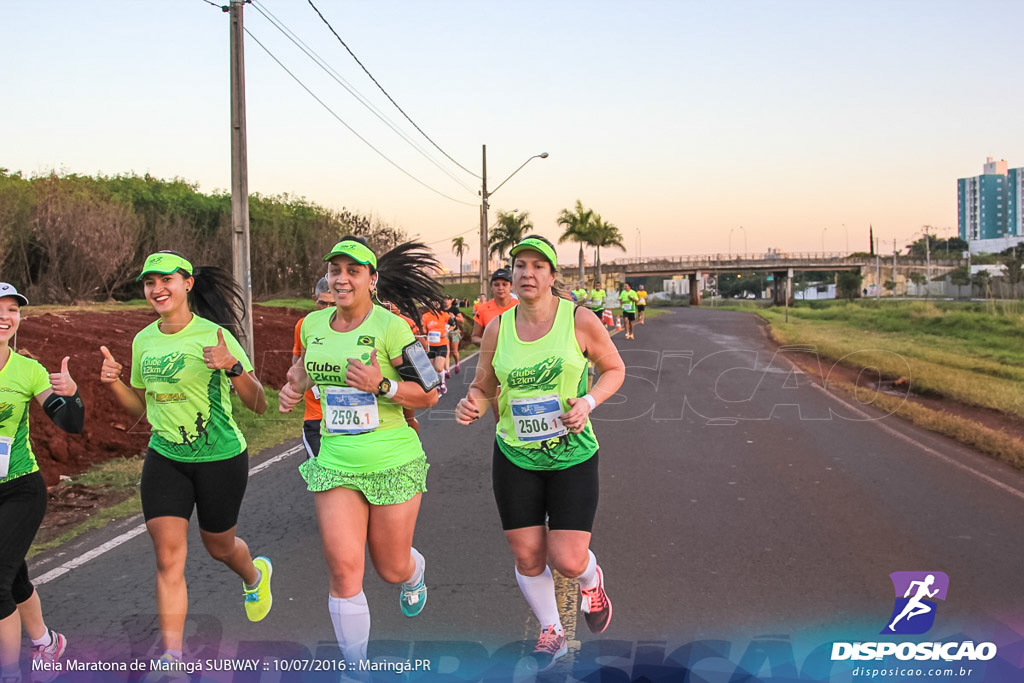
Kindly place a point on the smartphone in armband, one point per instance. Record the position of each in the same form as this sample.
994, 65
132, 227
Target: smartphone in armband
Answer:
416, 367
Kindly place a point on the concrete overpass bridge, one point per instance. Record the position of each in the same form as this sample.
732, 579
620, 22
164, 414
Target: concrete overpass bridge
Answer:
781, 265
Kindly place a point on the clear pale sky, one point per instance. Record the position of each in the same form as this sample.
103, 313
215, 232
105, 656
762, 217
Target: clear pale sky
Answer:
678, 121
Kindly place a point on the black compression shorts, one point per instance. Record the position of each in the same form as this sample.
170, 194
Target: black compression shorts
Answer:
438, 352
170, 488
22, 506
567, 498
629, 315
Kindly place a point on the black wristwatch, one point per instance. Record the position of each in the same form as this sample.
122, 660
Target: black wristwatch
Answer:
236, 370
384, 387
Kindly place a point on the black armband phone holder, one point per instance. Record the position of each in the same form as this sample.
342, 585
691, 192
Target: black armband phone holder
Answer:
67, 412
416, 367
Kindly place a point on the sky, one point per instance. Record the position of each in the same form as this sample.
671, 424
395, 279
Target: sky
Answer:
695, 127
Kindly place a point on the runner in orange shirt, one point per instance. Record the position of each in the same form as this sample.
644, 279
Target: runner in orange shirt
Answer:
313, 414
501, 290
435, 325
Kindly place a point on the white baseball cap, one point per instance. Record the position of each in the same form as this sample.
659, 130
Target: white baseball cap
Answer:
9, 290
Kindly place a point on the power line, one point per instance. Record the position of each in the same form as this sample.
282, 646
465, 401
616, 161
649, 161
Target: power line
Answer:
222, 8
475, 228
322, 18
319, 61
351, 130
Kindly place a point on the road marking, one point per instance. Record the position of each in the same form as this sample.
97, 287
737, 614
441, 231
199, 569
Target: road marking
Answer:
931, 451
76, 562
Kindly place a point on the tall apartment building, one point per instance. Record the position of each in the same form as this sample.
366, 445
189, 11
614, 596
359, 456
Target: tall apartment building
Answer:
990, 207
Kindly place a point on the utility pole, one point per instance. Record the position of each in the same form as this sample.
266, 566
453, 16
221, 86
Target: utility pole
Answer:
894, 266
483, 230
241, 266
878, 270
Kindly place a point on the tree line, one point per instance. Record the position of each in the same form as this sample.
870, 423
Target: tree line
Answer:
68, 237
579, 224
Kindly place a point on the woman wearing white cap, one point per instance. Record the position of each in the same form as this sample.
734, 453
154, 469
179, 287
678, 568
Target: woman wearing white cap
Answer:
183, 368
22, 490
544, 463
371, 472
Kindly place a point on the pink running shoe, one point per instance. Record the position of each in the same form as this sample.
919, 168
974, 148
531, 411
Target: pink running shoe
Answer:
596, 607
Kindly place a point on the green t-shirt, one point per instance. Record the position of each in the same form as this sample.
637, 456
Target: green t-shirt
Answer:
187, 403
349, 440
536, 380
628, 299
21, 380
597, 299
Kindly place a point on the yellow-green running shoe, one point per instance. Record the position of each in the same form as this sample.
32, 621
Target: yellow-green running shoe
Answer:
259, 600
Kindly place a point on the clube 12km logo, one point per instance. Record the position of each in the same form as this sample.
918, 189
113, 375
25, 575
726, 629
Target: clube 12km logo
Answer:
913, 613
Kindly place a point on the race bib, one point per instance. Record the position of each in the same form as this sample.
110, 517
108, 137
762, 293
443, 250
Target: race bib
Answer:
628, 307
434, 337
537, 418
350, 411
5, 455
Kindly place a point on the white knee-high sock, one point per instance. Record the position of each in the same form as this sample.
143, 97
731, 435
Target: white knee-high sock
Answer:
588, 579
539, 592
351, 620
417, 574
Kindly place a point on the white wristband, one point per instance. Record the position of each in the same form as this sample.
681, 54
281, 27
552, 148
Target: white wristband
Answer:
590, 399
390, 393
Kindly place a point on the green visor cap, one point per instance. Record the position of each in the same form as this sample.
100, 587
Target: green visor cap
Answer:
537, 245
358, 252
164, 263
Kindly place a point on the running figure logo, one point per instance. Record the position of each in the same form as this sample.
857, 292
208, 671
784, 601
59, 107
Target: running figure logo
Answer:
914, 610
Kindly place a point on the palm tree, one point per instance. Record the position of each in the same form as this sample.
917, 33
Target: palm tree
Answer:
511, 228
577, 228
603, 235
460, 247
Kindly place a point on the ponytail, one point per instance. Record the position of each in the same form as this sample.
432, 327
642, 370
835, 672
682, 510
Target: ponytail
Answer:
406, 275
218, 298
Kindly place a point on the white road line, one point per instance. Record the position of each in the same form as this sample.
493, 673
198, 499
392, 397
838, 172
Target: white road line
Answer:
931, 451
73, 563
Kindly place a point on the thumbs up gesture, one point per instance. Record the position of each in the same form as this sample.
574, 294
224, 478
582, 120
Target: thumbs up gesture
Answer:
111, 370
61, 381
364, 377
218, 357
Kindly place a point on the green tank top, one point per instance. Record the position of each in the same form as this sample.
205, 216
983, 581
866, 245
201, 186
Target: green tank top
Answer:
360, 432
536, 380
21, 380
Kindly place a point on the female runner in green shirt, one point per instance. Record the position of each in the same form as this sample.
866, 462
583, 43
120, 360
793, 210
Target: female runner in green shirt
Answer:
545, 456
22, 490
371, 471
182, 370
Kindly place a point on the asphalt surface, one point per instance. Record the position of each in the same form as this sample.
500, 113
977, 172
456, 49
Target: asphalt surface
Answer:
747, 520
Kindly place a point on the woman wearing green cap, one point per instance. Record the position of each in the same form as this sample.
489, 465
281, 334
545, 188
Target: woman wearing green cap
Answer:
183, 368
22, 489
370, 475
544, 463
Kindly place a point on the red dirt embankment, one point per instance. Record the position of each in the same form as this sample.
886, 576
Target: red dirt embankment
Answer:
109, 431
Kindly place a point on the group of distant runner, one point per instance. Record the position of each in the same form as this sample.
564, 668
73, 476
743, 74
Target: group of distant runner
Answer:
379, 347
633, 303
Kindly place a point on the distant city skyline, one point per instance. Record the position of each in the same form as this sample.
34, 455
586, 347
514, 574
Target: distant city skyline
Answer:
804, 123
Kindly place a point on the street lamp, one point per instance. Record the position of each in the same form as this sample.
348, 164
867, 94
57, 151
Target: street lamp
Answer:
484, 196
823, 240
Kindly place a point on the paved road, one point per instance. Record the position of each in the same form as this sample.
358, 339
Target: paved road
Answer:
747, 520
